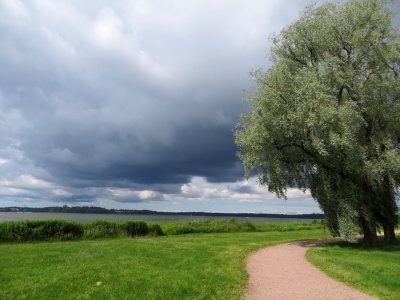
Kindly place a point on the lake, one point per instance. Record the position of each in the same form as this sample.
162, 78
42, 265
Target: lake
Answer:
18, 216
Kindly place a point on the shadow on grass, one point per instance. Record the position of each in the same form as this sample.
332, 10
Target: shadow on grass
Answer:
312, 243
382, 246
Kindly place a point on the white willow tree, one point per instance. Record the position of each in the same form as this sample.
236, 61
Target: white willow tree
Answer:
326, 116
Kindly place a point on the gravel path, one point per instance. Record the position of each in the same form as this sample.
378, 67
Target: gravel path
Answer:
283, 272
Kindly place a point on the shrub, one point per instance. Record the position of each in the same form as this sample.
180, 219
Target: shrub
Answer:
41, 230
136, 228
100, 229
155, 230
250, 226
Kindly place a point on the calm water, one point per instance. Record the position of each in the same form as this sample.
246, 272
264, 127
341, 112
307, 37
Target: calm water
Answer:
15, 216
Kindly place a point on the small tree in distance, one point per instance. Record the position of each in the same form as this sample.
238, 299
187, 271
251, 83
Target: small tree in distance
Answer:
326, 116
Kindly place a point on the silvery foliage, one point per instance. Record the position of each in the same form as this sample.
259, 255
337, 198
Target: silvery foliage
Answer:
325, 116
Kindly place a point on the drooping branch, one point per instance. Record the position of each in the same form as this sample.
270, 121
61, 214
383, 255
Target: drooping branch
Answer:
320, 161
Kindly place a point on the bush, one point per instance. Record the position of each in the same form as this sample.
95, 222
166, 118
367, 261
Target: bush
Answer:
250, 226
41, 230
155, 230
100, 229
136, 228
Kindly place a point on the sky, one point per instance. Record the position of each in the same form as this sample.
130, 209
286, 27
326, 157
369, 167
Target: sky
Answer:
132, 104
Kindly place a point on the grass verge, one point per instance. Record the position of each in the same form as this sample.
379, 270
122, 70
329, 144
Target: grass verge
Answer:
193, 266
374, 271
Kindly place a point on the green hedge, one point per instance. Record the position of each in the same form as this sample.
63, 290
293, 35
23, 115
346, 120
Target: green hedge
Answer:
41, 230
57, 230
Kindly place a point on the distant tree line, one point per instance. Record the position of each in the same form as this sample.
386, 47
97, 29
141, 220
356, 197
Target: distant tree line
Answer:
101, 210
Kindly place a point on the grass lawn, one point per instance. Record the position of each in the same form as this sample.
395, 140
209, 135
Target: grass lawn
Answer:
196, 266
375, 272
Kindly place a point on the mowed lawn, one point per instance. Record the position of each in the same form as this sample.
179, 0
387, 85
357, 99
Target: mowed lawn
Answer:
376, 272
196, 266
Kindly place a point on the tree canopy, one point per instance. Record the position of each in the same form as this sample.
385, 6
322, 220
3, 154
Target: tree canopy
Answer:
325, 116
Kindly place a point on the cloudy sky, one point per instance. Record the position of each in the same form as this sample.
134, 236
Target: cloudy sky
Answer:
131, 104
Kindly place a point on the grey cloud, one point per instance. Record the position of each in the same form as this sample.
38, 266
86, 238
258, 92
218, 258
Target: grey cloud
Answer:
140, 95
243, 189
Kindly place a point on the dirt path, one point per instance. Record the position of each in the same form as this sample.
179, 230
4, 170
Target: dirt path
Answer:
283, 272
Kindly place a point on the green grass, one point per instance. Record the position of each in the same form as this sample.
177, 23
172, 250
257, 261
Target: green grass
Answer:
194, 266
375, 272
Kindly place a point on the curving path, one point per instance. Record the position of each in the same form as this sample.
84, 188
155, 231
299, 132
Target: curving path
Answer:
283, 272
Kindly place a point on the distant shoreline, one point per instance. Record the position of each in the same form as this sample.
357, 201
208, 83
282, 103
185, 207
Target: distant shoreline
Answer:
101, 210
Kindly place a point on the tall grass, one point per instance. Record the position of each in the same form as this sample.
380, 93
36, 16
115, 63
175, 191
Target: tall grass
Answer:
292, 226
136, 228
42, 230
46, 230
208, 226
103, 229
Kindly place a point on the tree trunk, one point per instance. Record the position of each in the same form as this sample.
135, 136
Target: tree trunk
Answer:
368, 217
390, 235
388, 210
370, 236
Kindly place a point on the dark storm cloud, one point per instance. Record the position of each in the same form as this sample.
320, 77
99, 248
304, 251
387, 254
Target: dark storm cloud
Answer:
97, 98
116, 153
127, 95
